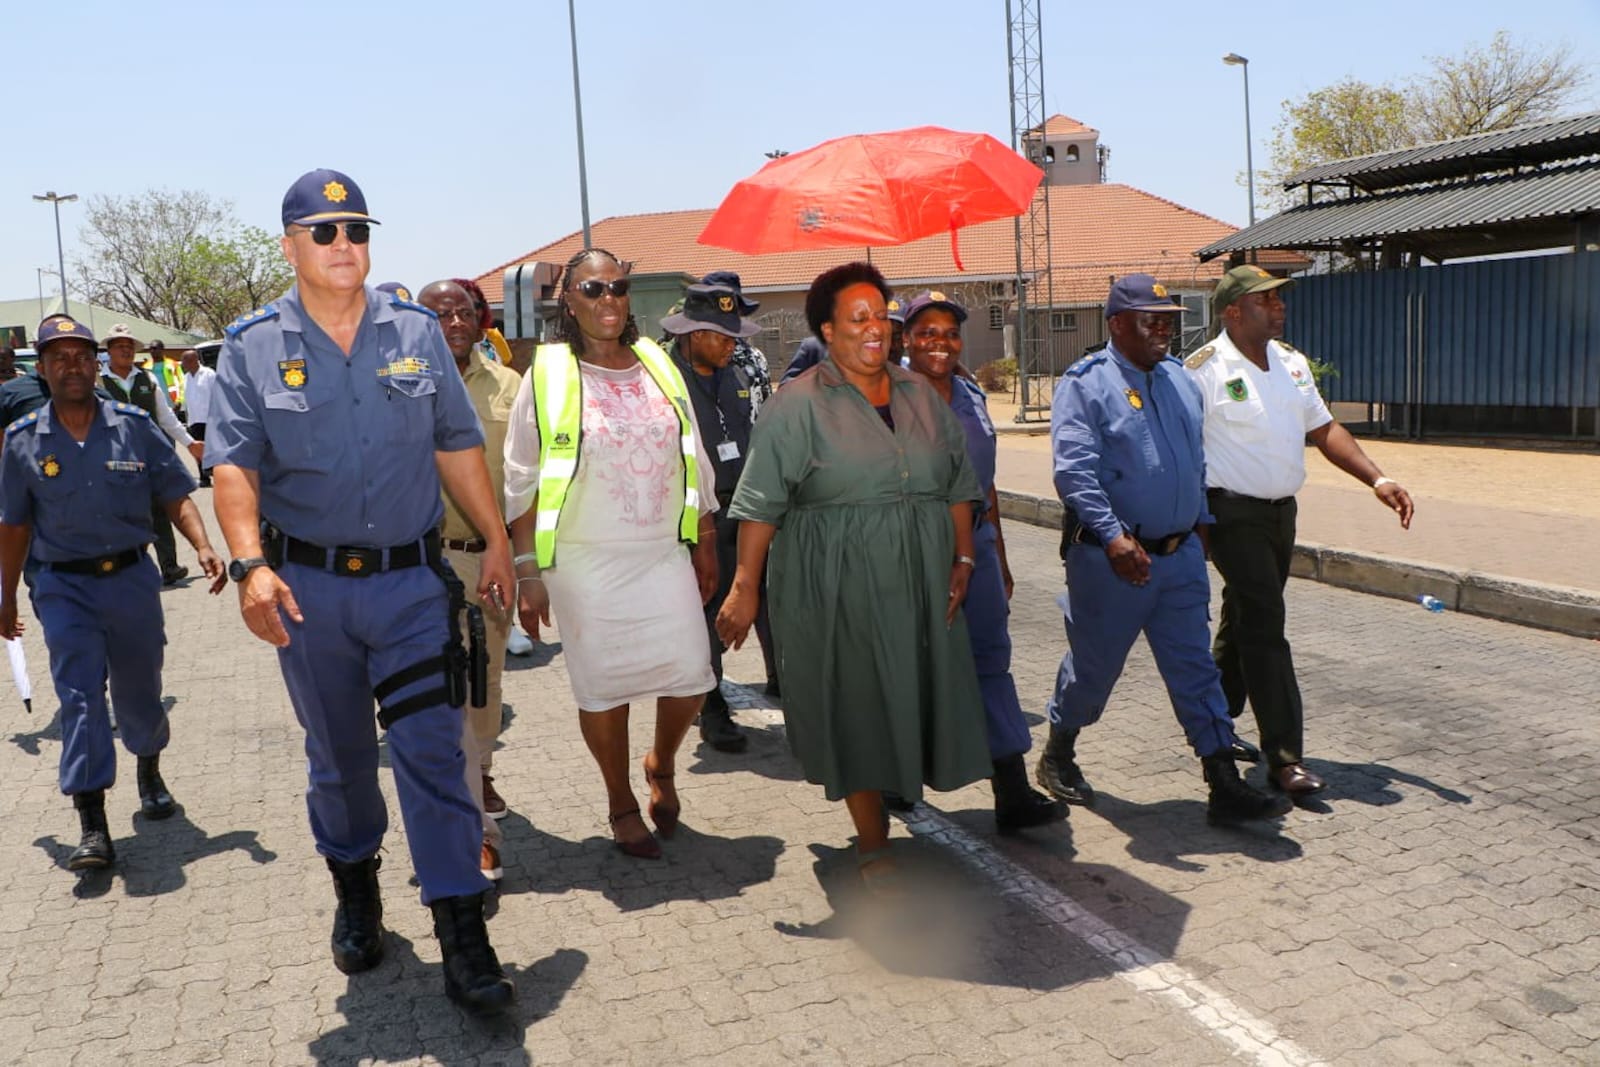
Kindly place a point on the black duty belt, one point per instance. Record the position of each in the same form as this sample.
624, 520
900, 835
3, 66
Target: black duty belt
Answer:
476, 544
100, 566
1156, 546
1216, 493
355, 561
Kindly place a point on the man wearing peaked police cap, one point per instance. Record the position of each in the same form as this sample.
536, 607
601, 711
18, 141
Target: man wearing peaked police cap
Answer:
76, 481
337, 415
1125, 431
1261, 405
705, 331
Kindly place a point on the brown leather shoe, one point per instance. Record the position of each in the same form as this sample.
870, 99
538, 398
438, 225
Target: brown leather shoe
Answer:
489, 863
1294, 779
493, 805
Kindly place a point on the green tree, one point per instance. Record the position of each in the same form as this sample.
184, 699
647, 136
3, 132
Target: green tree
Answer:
1484, 88
180, 259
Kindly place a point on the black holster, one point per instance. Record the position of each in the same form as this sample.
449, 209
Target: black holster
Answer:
458, 665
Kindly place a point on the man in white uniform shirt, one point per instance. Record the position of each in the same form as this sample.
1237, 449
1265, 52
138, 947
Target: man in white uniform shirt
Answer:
199, 380
1261, 405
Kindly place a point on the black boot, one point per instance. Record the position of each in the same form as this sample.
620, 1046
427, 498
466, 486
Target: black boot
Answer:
716, 725
1058, 770
472, 974
154, 800
94, 851
358, 920
1016, 804
1232, 798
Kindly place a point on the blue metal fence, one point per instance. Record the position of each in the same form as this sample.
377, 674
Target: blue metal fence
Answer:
1500, 333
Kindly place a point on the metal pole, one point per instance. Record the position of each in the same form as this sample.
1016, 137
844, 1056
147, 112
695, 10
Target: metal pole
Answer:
61, 258
577, 107
38, 274
1249, 158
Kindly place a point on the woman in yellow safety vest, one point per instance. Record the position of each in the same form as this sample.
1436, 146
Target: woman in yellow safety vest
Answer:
610, 496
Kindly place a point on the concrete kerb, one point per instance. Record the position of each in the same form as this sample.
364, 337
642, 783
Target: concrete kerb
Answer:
1548, 607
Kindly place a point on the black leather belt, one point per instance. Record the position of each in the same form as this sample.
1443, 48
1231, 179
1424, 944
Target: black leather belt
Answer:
477, 544
1228, 494
355, 561
1156, 546
100, 566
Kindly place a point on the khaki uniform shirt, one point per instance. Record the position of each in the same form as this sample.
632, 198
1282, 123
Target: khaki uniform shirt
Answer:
492, 388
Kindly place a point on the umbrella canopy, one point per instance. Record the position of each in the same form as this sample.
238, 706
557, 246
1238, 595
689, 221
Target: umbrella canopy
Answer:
874, 189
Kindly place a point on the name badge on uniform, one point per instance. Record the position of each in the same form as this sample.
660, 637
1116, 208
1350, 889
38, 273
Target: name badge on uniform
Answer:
1237, 389
124, 465
728, 450
292, 372
406, 365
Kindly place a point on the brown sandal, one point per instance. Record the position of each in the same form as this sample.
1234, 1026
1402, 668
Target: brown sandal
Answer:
646, 849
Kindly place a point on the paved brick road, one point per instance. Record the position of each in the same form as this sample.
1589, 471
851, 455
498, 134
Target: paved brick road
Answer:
1437, 906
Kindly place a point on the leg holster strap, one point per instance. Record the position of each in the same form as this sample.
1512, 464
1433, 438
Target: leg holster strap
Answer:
389, 714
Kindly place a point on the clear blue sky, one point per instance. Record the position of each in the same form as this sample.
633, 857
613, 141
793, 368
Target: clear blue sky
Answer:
456, 118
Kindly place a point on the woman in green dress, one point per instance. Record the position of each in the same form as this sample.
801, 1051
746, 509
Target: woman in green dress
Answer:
859, 485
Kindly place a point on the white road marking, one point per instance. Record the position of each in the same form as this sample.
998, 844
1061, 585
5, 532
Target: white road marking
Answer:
1133, 962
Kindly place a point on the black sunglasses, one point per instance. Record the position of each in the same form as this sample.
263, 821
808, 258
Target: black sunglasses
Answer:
323, 233
594, 287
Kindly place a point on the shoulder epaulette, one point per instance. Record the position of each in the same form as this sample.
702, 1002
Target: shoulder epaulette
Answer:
1198, 358
410, 305
18, 424
1086, 363
128, 409
1287, 347
244, 322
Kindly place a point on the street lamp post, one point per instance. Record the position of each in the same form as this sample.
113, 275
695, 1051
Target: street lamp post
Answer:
577, 108
61, 258
1233, 59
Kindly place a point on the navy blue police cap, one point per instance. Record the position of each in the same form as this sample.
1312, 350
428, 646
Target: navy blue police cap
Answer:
933, 298
62, 330
1139, 292
324, 196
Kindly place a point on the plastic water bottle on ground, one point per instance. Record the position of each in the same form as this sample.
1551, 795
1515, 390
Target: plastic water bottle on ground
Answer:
1432, 603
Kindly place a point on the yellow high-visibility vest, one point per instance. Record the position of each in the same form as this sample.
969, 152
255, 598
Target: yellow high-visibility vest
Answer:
558, 407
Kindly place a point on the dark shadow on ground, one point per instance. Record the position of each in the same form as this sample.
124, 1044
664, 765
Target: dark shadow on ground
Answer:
694, 865
398, 1012
543, 652
49, 728
956, 924
151, 861
1363, 783
767, 754
1167, 832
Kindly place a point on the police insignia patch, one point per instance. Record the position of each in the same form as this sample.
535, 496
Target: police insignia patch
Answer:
403, 293
292, 372
66, 326
49, 467
1237, 389
937, 297
353, 564
725, 303
1159, 289
334, 192
1135, 401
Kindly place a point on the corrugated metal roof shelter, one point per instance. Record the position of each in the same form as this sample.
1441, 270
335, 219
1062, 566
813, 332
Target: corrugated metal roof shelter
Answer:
1531, 187
1508, 213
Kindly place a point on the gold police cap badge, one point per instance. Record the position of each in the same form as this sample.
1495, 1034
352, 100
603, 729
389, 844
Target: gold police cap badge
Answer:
724, 303
937, 297
334, 192
1159, 289
1135, 401
894, 305
1259, 272
66, 326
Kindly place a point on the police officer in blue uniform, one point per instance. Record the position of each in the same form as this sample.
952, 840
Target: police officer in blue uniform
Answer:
1125, 430
337, 413
933, 350
77, 478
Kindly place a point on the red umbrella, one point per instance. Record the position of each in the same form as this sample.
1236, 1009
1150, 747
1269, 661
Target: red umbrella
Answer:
874, 189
